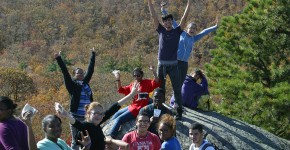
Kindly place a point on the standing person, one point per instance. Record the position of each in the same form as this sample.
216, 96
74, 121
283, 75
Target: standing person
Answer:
130, 112
156, 109
196, 135
166, 130
79, 90
167, 53
186, 43
13, 131
95, 116
141, 138
191, 90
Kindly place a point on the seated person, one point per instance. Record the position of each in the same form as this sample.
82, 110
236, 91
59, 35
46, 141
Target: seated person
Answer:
196, 135
141, 138
130, 112
156, 109
191, 90
166, 130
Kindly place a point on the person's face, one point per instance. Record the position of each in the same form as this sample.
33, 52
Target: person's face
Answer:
79, 74
191, 29
158, 98
53, 129
143, 123
195, 136
164, 132
138, 76
4, 112
195, 76
167, 24
96, 115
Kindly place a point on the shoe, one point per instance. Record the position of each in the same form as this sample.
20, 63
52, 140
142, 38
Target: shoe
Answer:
163, 3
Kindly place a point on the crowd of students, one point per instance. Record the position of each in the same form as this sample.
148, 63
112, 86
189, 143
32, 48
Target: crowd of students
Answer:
156, 124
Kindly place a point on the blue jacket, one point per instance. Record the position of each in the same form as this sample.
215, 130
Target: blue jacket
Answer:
186, 43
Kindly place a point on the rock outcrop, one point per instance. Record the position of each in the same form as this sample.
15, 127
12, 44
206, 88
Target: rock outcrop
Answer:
224, 132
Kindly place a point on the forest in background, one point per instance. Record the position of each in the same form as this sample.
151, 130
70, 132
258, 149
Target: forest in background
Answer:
122, 32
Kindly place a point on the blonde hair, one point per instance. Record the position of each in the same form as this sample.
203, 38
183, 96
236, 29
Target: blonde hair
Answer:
169, 121
91, 106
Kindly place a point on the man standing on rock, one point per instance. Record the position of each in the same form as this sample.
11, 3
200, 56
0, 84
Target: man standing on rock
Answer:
167, 53
196, 135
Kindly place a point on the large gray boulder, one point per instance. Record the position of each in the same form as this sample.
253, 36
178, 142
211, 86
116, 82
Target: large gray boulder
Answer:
224, 132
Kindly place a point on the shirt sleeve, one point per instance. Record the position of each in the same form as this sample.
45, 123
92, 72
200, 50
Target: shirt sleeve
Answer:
125, 89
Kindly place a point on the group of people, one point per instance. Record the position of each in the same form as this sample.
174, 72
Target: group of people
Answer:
155, 123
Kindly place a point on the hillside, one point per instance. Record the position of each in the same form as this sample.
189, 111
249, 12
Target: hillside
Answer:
121, 32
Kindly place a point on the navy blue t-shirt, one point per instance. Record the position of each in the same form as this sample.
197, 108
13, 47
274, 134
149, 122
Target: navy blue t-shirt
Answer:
168, 43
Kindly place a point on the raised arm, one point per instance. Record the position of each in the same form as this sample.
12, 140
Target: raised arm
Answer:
91, 66
153, 14
154, 73
31, 139
184, 17
134, 91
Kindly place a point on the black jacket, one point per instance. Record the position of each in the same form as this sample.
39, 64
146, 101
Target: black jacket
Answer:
72, 86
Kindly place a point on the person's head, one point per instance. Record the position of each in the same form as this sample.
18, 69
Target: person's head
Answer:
158, 97
138, 74
94, 113
167, 21
51, 125
196, 133
197, 73
7, 108
166, 127
142, 123
78, 74
191, 28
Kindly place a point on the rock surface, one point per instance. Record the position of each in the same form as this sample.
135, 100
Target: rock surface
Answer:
224, 132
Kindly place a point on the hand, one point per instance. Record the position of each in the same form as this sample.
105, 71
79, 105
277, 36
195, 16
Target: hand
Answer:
61, 112
57, 54
135, 88
27, 118
93, 49
151, 68
217, 20
108, 139
86, 140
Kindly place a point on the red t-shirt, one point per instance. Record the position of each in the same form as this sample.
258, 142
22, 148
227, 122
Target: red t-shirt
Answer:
150, 142
146, 86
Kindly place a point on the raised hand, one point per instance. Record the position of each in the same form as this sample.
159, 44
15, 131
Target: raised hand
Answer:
86, 140
135, 88
57, 54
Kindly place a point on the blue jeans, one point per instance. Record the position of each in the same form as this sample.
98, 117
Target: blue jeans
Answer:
120, 117
172, 71
182, 68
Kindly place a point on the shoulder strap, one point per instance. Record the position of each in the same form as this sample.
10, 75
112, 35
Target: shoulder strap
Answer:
206, 146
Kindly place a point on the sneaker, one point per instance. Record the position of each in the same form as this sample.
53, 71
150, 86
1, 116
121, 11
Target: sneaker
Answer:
163, 3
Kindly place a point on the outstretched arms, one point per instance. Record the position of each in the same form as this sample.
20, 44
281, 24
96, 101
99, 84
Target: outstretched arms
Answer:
184, 17
153, 14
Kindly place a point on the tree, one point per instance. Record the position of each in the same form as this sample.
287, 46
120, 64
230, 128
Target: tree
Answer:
16, 83
250, 68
